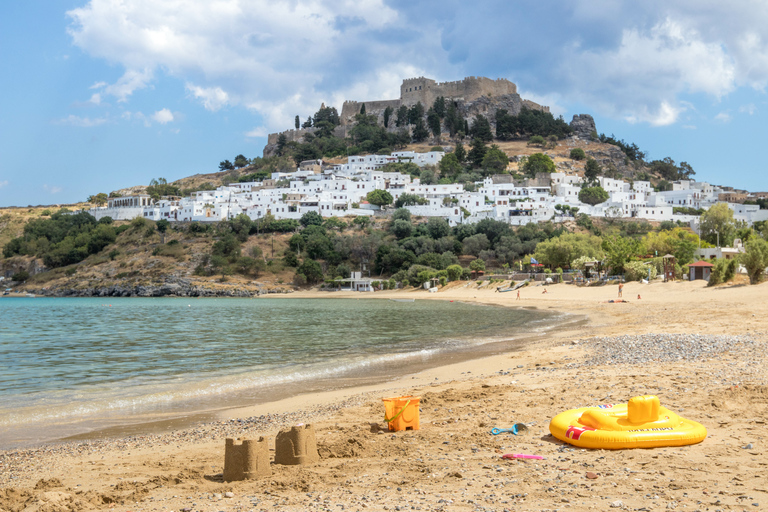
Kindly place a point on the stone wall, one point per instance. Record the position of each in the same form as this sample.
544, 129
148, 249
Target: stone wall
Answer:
351, 108
426, 90
535, 106
297, 136
474, 95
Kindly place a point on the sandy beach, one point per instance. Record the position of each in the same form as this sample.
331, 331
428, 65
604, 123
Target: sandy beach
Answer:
701, 350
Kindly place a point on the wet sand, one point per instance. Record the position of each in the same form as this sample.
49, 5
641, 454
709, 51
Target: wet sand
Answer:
453, 462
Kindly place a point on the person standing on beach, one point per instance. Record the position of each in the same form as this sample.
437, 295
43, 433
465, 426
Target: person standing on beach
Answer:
518, 295
621, 288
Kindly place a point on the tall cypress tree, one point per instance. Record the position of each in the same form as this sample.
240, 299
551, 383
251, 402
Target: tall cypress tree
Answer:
461, 153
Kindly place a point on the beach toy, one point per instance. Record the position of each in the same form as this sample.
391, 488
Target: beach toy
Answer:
517, 427
401, 413
510, 456
640, 423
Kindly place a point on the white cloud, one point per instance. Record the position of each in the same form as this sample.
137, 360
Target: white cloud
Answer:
4, 183
280, 57
748, 109
83, 122
723, 117
664, 115
163, 116
259, 131
283, 57
212, 98
98, 85
55, 189
131, 81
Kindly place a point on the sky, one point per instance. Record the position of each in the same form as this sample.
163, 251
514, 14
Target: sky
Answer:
104, 94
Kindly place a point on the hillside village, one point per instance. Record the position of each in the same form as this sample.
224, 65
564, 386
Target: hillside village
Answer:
341, 189
477, 211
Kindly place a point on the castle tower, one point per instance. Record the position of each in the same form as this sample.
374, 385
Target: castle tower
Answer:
246, 460
296, 446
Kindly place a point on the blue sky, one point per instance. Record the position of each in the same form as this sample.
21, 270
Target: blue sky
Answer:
103, 94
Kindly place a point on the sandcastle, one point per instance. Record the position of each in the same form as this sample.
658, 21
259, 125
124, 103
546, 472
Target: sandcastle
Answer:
247, 460
296, 446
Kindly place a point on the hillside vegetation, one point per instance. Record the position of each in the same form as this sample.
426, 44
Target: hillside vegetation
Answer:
63, 254
74, 254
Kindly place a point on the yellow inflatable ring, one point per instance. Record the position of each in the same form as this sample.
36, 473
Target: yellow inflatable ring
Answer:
640, 423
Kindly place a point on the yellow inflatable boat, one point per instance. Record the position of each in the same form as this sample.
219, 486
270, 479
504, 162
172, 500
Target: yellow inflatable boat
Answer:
641, 423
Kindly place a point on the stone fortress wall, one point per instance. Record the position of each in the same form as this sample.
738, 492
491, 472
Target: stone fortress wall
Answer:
426, 91
484, 93
294, 135
351, 108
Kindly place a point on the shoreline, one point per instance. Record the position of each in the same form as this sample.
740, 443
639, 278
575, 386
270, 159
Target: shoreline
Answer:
184, 415
528, 386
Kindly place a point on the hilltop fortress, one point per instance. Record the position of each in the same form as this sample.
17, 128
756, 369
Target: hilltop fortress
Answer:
472, 96
464, 92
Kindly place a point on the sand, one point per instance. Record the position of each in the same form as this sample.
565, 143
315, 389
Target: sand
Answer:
453, 462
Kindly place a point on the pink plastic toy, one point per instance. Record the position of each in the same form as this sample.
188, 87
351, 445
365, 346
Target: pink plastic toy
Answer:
510, 456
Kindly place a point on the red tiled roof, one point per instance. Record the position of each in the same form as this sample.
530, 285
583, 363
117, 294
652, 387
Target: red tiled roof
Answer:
701, 263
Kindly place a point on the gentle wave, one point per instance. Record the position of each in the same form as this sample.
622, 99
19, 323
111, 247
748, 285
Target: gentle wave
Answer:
80, 360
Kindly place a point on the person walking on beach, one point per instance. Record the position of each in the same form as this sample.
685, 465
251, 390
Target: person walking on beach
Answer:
518, 295
621, 288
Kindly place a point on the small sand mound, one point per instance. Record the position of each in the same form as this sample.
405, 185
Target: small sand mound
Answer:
48, 483
346, 449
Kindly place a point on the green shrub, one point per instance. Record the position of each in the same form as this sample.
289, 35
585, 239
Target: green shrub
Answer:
425, 275
21, 276
477, 265
170, 250
454, 272
578, 154
722, 272
637, 270
405, 283
443, 281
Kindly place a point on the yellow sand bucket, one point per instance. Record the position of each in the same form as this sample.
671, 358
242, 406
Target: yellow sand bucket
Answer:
402, 413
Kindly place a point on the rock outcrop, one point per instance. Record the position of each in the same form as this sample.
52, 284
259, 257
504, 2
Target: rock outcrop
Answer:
583, 126
171, 287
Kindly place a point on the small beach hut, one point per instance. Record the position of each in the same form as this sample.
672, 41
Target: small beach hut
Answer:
700, 270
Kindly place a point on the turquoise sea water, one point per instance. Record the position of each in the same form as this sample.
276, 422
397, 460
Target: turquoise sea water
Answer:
68, 366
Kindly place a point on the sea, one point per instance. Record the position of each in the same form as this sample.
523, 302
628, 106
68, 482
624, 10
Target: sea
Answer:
74, 367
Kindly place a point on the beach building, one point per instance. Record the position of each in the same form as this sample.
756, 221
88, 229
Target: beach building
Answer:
700, 270
727, 253
358, 283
